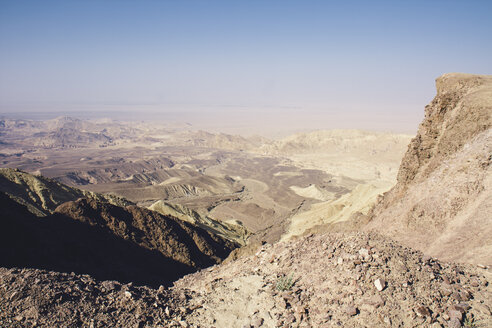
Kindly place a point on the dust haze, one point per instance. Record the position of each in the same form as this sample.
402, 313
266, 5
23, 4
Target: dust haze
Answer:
254, 181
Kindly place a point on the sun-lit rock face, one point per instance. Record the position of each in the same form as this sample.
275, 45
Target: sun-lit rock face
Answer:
42, 195
461, 109
441, 203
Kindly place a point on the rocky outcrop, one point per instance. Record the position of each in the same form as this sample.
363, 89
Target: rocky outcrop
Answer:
461, 110
441, 203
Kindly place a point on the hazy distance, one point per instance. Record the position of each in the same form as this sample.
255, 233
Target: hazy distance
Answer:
268, 122
244, 67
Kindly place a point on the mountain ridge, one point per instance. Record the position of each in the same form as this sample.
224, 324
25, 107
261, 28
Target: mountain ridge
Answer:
442, 199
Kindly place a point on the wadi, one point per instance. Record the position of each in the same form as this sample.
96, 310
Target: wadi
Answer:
113, 223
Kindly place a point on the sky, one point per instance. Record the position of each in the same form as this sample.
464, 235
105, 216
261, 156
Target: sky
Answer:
305, 64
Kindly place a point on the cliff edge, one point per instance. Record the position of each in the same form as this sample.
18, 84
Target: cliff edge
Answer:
442, 201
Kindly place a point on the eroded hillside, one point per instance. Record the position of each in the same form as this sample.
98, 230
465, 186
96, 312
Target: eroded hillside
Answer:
42, 195
271, 188
48, 225
442, 201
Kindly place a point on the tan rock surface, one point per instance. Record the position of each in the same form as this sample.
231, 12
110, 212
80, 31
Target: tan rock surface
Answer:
328, 280
443, 199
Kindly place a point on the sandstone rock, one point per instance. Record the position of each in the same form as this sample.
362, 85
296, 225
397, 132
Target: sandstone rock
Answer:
351, 310
257, 322
445, 171
290, 318
422, 311
456, 295
455, 314
380, 284
454, 323
446, 289
462, 307
464, 295
375, 301
364, 252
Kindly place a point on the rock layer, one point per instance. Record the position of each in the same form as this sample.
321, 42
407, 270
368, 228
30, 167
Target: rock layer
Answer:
441, 203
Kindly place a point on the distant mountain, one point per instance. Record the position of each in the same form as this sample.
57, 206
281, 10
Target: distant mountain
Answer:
362, 143
63, 132
220, 141
69, 132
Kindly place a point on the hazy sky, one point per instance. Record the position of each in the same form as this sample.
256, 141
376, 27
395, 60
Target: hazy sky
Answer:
348, 61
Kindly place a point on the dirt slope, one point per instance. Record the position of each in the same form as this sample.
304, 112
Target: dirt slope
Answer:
442, 201
334, 279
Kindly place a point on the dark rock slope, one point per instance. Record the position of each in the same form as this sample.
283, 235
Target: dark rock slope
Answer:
106, 241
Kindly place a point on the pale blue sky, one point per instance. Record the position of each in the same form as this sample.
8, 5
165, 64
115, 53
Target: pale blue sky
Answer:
347, 59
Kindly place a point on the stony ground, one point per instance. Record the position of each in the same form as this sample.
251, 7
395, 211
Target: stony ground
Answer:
339, 280
352, 280
38, 298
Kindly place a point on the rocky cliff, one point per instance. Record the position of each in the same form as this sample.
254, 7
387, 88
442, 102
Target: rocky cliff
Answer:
460, 111
442, 201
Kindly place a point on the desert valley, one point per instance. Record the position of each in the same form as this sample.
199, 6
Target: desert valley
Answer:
113, 223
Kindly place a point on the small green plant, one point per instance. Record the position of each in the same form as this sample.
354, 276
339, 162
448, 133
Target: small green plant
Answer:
470, 322
285, 283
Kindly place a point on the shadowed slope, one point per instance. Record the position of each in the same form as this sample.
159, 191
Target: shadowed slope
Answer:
106, 241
